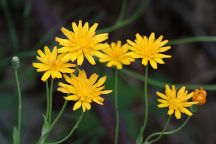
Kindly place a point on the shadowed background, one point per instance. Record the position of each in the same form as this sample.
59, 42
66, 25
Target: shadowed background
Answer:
27, 25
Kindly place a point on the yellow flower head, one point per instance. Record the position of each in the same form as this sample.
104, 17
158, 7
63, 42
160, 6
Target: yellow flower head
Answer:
116, 55
177, 102
199, 96
149, 49
52, 63
84, 90
80, 42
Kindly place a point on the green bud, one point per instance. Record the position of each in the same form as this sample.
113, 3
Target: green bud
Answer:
15, 62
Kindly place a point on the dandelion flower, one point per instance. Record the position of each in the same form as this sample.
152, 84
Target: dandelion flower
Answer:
84, 90
149, 49
82, 41
177, 102
116, 55
52, 63
199, 96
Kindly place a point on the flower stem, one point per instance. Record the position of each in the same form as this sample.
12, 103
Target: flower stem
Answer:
121, 23
70, 133
116, 107
170, 132
58, 116
140, 136
156, 139
43, 139
47, 96
19, 103
50, 101
122, 12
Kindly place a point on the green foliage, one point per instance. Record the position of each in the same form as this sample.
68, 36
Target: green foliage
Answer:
16, 136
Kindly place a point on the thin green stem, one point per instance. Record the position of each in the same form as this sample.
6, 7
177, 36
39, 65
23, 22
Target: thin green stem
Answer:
192, 39
43, 139
156, 139
129, 20
173, 131
50, 101
59, 115
19, 104
47, 96
116, 107
140, 136
70, 133
122, 12
160, 84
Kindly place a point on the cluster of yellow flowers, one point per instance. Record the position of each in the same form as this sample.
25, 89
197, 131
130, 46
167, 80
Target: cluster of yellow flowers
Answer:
83, 42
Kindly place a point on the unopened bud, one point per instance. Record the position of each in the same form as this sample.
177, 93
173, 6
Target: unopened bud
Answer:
15, 62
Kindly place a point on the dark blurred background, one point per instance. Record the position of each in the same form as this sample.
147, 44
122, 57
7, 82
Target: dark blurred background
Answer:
27, 25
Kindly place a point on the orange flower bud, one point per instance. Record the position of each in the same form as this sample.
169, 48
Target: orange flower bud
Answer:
199, 96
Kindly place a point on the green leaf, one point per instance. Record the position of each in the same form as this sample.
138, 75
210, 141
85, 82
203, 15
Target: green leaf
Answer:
16, 136
44, 131
139, 139
45, 127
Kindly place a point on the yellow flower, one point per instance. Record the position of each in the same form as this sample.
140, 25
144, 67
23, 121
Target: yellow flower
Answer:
149, 49
177, 102
82, 41
199, 96
52, 63
116, 55
84, 90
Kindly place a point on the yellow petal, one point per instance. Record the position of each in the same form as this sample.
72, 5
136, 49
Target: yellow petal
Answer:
163, 105
144, 62
47, 51
87, 105
86, 26
72, 98
77, 105
93, 28
101, 37
161, 95
163, 49
67, 33
188, 96
83, 107
153, 64
159, 60
45, 76
152, 38
74, 26
181, 92
80, 59
106, 91
90, 59
40, 65
101, 81
131, 43
54, 53
41, 54
93, 78
162, 101
186, 111
170, 111
177, 114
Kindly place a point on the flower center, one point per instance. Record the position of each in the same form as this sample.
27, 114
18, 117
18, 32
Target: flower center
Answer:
53, 64
174, 104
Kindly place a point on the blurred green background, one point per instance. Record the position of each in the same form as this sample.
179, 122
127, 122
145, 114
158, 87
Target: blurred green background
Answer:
27, 25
